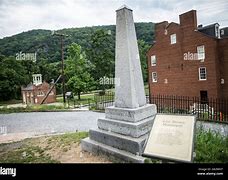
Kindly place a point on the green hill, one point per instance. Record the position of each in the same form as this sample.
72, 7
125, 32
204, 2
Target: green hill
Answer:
48, 46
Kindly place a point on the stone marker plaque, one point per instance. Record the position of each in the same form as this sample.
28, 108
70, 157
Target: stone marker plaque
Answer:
171, 137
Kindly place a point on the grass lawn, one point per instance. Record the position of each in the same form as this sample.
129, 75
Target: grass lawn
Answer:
34, 108
83, 100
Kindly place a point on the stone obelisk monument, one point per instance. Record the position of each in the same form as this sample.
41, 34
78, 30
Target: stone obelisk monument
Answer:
124, 130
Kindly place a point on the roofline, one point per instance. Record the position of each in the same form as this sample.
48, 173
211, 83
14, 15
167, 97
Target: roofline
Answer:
205, 27
161, 22
213, 37
172, 23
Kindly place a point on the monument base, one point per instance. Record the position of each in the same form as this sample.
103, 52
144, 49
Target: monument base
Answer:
99, 148
124, 139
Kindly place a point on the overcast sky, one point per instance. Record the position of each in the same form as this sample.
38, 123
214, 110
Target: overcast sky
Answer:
22, 15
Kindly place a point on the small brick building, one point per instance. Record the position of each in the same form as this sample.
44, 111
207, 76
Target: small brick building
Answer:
35, 92
189, 60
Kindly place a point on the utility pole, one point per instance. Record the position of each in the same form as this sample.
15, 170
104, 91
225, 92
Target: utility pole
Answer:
62, 54
63, 77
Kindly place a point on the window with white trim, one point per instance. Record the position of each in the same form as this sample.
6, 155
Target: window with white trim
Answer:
154, 77
153, 60
201, 52
173, 38
202, 73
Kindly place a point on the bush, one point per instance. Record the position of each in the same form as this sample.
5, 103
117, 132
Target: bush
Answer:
211, 147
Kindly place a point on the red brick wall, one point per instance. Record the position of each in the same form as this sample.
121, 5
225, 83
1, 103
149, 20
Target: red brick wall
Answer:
44, 87
182, 75
223, 57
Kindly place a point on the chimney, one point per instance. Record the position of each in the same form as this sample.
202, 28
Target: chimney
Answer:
189, 20
160, 29
161, 25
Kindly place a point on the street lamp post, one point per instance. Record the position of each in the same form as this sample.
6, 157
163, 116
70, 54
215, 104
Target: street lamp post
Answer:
62, 54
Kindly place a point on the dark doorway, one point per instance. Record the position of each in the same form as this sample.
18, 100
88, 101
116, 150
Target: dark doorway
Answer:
203, 97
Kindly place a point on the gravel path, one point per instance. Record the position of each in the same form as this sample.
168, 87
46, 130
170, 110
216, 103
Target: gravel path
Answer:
23, 125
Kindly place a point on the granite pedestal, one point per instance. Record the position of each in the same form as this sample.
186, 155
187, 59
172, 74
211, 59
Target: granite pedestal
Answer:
125, 128
122, 132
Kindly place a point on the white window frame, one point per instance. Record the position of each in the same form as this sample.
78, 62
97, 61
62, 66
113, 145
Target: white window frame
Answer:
153, 60
153, 78
200, 73
201, 53
173, 39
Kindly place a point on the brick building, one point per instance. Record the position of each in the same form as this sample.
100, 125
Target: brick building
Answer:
35, 92
189, 60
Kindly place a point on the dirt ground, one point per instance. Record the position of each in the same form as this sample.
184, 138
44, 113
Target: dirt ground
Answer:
49, 149
66, 153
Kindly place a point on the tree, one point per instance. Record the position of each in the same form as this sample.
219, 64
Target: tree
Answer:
77, 66
12, 76
30, 68
101, 55
143, 48
48, 70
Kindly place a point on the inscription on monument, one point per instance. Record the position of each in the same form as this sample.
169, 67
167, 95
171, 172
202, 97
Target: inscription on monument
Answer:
171, 138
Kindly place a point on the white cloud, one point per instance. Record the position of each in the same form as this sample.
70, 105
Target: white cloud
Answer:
23, 15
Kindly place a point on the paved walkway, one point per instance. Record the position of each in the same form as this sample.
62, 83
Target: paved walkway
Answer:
17, 126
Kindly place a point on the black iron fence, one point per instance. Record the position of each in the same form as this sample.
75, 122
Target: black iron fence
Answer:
75, 103
207, 109
98, 101
103, 101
